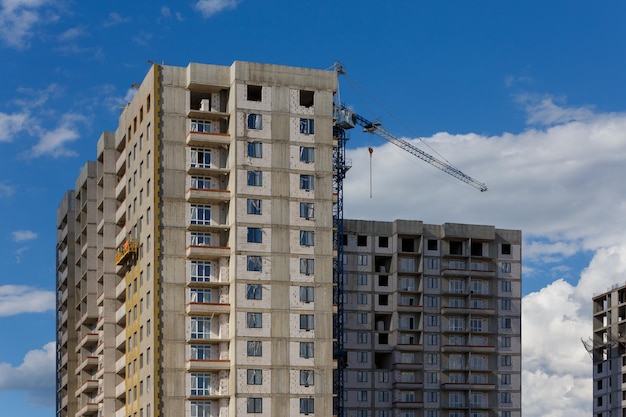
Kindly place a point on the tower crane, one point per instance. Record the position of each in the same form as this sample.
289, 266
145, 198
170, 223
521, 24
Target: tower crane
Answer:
346, 119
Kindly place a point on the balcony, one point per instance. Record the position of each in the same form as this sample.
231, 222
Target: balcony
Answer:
466, 311
120, 237
210, 337
207, 138
120, 290
203, 195
88, 317
120, 340
120, 164
100, 299
121, 412
100, 227
458, 386
63, 253
407, 403
482, 349
90, 339
207, 252
207, 365
89, 363
204, 309
64, 317
64, 232
468, 348
211, 170
100, 397
100, 371
89, 386
120, 390
127, 250
84, 247
406, 385
64, 338
120, 315
215, 225
64, 380
120, 366
63, 272
88, 409
482, 264
120, 215
120, 189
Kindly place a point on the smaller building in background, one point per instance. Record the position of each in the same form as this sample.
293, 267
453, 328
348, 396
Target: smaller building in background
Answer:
433, 320
608, 350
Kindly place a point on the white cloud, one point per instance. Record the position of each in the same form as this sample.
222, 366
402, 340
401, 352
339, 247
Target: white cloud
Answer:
53, 142
6, 190
18, 18
23, 235
549, 252
209, 8
19, 252
35, 375
36, 98
562, 185
10, 124
544, 111
554, 320
167, 13
71, 34
114, 103
115, 19
19, 299
142, 38
512, 80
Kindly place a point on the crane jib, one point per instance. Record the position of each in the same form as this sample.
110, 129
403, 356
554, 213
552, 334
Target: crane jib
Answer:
347, 119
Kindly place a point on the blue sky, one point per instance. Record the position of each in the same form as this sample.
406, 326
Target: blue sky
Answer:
525, 96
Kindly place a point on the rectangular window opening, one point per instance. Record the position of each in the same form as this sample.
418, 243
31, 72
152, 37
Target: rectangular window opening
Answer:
306, 98
255, 92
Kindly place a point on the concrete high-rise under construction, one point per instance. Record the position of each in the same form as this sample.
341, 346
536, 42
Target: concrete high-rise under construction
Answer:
195, 275
608, 350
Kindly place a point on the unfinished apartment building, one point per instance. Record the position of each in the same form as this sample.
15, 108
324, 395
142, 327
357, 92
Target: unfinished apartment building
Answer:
608, 349
195, 270
195, 254
433, 326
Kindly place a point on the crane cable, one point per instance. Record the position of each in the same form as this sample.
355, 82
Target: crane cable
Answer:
371, 151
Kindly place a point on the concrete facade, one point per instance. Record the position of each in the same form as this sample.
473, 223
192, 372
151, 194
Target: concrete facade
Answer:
608, 349
66, 301
433, 325
199, 281
195, 269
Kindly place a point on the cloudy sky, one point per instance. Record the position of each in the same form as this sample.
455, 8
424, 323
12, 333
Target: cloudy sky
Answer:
527, 97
